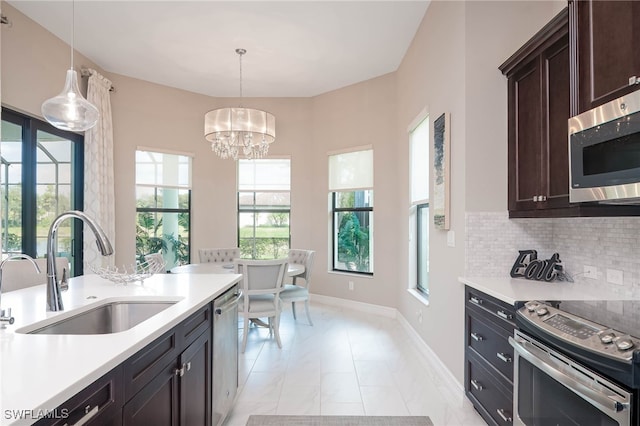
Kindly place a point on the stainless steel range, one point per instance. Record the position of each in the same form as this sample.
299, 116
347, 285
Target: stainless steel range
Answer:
570, 370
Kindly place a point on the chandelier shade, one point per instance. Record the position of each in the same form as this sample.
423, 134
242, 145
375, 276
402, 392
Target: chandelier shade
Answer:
237, 130
234, 131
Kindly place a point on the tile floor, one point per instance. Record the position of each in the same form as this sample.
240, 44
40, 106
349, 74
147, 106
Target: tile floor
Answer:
349, 363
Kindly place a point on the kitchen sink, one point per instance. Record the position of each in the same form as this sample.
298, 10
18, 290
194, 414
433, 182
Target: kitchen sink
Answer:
112, 317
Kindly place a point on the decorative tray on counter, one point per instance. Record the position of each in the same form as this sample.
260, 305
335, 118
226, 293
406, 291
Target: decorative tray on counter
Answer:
131, 274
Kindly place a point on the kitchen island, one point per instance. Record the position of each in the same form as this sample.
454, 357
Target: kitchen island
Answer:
38, 372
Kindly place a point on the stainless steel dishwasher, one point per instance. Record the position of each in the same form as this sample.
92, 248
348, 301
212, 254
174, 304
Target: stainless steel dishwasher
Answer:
225, 353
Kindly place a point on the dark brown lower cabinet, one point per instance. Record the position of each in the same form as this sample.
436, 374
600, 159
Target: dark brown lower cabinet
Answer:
488, 356
100, 403
156, 403
180, 394
195, 382
168, 382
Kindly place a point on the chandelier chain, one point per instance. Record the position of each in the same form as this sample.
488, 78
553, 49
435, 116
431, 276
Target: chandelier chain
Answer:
240, 54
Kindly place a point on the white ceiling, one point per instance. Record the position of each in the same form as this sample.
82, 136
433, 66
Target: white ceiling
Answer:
294, 48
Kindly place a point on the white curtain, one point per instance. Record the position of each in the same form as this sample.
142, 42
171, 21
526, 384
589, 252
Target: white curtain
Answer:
99, 199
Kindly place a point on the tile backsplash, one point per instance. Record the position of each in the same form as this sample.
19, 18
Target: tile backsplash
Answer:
610, 245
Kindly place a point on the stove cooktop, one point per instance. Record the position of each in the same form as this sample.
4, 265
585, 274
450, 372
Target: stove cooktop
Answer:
577, 331
623, 316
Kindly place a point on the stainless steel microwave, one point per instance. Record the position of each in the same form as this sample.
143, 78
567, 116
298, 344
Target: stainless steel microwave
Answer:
604, 153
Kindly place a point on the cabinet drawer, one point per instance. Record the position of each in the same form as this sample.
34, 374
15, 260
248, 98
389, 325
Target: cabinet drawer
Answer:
491, 343
193, 326
485, 390
100, 403
503, 312
147, 363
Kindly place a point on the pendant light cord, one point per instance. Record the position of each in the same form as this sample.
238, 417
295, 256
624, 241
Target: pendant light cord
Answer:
73, 28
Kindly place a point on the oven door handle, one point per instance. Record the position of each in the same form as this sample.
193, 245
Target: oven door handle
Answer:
605, 401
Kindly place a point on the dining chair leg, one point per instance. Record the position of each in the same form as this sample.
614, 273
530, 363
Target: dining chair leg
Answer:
293, 309
276, 330
245, 332
306, 308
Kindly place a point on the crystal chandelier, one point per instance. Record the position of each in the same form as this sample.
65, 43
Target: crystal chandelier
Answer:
70, 110
234, 131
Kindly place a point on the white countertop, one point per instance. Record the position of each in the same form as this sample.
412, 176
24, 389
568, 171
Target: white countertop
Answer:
511, 290
39, 372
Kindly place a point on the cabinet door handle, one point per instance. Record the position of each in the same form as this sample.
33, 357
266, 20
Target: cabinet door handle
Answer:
633, 80
477, 337
179, 371
88, 414
475, 300
476, 385
504, 315
503, 357
503, 415
188, 366
535, 198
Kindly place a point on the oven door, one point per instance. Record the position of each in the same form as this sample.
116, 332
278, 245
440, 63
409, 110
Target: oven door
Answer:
551, 389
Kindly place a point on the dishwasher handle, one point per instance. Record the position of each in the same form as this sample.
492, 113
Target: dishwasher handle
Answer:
231, 304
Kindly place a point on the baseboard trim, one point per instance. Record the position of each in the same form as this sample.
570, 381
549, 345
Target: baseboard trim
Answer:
355, 305
428, 353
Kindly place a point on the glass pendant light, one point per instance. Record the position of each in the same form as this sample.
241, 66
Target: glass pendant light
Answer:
70, 110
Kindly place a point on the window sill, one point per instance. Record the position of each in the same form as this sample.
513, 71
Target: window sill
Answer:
422, 298
352, 274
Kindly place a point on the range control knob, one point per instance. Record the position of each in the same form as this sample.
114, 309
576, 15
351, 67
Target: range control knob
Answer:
542, 311
624, 343
532, 306
607, 337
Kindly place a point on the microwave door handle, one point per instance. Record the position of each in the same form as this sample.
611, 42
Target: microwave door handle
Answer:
605, 401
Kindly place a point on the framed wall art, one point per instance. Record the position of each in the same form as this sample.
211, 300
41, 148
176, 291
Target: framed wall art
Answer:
441, 171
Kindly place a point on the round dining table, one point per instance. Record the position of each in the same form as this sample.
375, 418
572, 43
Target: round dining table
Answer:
293, 269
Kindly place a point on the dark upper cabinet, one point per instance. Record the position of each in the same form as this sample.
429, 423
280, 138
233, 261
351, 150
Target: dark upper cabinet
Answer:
538, 109
605, 37
543, 93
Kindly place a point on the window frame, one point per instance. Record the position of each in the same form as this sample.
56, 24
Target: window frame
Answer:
30, 127
334, 231
419, 201
162, 210
422, 283
244, 208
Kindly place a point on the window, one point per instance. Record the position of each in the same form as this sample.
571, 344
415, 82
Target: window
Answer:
419, 184
264, 208
42, 176
351, 186
163, 206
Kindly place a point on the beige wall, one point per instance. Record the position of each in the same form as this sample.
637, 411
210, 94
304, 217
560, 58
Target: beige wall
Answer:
34, 63
150, 115
359, 115
451, 66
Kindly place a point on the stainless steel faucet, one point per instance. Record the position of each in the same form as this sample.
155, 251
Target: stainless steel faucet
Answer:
5, 316
54, 298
